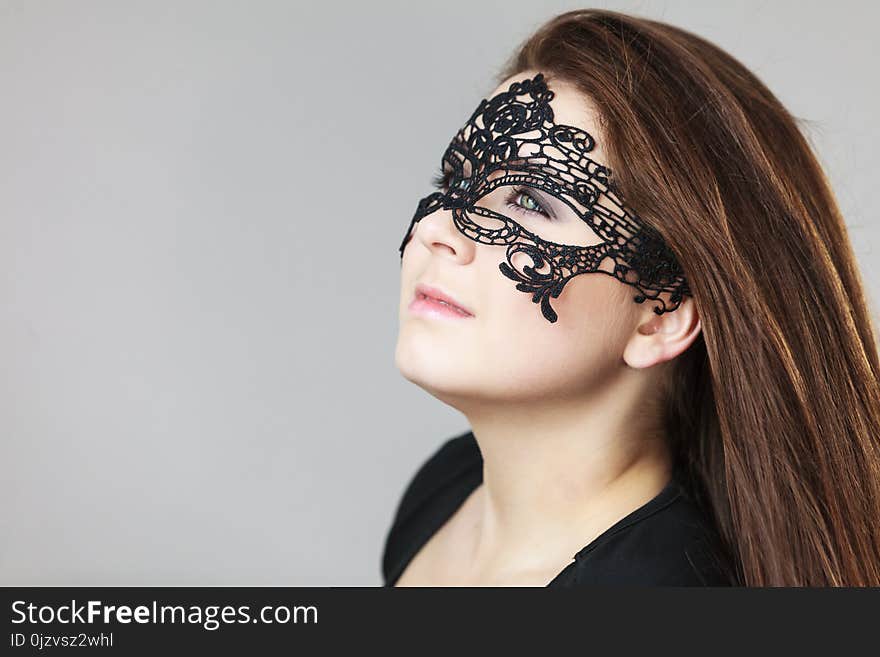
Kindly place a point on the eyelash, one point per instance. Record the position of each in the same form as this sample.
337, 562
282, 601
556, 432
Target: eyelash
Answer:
440, 180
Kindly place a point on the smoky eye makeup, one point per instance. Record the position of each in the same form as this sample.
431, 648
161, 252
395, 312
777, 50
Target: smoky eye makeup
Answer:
541, 203
543, 199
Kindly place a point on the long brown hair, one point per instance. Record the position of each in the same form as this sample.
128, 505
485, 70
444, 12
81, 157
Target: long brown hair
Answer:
774, 411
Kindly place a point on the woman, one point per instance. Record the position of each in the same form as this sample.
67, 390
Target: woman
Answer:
705, 413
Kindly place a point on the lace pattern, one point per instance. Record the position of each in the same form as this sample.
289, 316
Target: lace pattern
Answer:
511, 139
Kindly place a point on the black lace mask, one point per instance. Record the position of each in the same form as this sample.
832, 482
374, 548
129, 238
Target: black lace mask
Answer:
511, 143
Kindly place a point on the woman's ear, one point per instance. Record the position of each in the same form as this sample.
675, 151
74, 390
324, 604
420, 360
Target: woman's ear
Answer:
660, 338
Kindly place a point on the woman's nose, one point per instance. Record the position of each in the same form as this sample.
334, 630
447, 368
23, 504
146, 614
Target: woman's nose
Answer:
439, 234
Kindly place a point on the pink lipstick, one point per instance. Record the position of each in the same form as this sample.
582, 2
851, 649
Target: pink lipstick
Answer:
432, 301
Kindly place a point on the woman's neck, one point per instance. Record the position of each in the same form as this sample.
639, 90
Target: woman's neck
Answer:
557, 473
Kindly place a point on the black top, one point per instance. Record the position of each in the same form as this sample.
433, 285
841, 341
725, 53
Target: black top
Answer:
665, 542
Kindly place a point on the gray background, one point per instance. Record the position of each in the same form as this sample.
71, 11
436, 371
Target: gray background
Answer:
200, 210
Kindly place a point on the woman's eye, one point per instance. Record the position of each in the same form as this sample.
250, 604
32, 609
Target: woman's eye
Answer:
521, 201
441, 181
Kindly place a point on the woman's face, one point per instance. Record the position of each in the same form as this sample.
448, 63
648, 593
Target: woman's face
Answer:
506, 349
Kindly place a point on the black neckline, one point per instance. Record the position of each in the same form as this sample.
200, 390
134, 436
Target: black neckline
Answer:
670, 492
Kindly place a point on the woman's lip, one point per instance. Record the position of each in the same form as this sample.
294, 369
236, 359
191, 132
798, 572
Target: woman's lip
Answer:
434, 295
423, 305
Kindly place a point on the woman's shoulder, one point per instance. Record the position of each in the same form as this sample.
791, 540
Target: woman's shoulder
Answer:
442, 480
667, 542
457, 455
